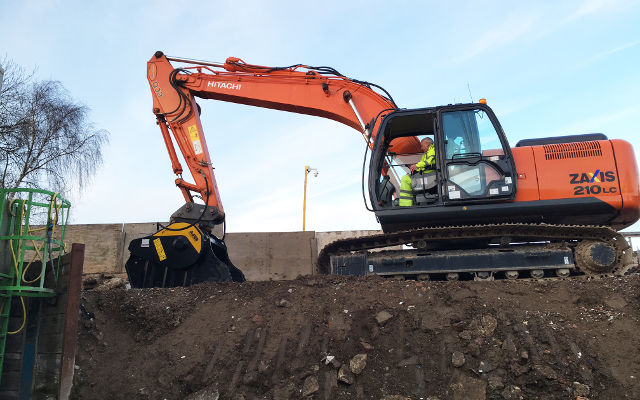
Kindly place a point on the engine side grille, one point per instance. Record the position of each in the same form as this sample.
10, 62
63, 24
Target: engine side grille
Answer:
572, 150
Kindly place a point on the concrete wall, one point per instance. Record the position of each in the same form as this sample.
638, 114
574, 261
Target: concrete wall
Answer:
273, 255
260, 255
103, 246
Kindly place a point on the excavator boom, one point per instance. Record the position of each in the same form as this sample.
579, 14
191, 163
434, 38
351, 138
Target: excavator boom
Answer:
319, 91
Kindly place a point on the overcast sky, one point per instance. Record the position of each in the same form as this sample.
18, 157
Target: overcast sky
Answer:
546, 68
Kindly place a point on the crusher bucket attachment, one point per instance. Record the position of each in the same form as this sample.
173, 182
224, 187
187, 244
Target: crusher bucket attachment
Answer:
179, 255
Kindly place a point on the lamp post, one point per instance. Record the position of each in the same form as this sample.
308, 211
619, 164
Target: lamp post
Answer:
307, 169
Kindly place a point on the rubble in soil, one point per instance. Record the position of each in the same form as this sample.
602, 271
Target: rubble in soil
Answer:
329, 337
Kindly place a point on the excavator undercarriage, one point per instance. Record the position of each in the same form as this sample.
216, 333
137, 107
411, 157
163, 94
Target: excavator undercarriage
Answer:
483, 252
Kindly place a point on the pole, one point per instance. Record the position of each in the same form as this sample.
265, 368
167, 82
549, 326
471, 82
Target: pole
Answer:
307, 169
304, 202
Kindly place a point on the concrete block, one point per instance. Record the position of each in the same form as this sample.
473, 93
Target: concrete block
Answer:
12, 362
273, 255
103, 246
51, 324
50, 344
10, 382
47, 364
15, 342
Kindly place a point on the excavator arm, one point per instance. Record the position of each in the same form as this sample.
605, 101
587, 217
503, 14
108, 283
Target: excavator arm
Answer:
186, 251
319, 91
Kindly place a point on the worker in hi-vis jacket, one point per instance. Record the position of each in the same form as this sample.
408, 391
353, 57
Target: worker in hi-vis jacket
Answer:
424, 166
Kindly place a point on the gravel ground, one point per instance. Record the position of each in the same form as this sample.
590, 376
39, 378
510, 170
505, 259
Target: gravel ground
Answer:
329, 337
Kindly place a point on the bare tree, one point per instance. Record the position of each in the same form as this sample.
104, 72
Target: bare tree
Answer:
46, 138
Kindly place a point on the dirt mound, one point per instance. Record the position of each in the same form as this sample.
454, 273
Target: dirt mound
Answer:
327, 337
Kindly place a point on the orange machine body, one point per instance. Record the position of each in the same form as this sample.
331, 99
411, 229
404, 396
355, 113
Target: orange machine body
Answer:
604, 169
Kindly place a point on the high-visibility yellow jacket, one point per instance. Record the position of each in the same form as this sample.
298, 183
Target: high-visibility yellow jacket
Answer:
427, 160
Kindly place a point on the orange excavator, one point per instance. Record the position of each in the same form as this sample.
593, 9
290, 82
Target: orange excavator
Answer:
480, 210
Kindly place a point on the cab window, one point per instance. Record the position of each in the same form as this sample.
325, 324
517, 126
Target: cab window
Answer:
470, 133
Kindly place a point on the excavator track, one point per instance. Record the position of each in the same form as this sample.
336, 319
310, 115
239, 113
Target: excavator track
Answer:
594, 250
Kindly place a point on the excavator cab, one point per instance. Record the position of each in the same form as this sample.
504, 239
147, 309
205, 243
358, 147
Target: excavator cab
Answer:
474, 167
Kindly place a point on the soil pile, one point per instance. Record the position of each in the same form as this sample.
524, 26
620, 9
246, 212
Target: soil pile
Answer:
329, 337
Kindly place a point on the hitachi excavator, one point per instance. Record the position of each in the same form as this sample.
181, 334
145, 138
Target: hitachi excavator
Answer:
482, 210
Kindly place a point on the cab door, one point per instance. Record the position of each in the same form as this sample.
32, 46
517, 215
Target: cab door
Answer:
476, 161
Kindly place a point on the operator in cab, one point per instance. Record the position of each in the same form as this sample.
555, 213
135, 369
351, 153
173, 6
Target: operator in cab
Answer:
422, 167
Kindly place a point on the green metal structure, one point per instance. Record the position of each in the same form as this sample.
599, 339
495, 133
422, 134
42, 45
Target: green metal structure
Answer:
32, 229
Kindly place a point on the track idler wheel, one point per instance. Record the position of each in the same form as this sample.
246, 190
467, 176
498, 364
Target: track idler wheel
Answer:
511, 275
452, 276
595, 257
537, 273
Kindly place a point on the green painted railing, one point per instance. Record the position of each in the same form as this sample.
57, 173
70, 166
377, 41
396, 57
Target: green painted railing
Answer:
32, 229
